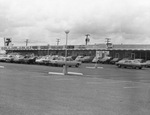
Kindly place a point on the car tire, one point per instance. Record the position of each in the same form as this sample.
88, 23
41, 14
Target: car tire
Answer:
98, 61
77, 65
119, 66
140, 67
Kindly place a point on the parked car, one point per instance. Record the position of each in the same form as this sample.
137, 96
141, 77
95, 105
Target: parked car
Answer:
10, 58
69, 61
73, 57
79, 58
29, 59
147, 63
105, 60
53, 61
130, 63
122, 61
114, 60
18, 59
3, 58
47, 59
50, 60
87, 59
40, 60
139, 60
96, 59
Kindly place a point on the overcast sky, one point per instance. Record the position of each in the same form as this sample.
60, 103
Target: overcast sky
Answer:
44, 21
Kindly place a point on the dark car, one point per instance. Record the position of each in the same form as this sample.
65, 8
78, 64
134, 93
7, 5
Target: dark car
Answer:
105, 60
29, 59
147, 63
130, 64
87, 59
114, 60
73, 57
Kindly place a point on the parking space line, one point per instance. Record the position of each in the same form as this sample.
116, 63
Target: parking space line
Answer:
95, 67
75, 73
1, 67
68, 73
130, 87
64, 79
55, 73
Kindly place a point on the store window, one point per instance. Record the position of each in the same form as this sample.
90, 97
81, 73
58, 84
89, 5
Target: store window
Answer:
133, 55
117, 55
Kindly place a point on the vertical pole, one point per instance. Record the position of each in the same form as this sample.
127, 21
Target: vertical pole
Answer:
65, 66
26, 42
58, 42
4, 41
96, 57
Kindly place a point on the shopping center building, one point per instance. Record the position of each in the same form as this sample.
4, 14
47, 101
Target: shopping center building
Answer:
115, 50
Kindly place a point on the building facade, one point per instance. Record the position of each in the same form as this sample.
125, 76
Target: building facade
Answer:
117, 50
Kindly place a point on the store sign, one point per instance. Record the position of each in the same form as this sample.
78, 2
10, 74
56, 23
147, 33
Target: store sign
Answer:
7, 41
82, 47
14, 48
28, 47
22, 48
109, 45
34, 47
70, 47
44, 47
56, 47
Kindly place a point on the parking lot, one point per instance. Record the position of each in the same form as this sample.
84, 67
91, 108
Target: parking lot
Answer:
106, 90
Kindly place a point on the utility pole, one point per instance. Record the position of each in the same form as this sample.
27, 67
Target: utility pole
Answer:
87, 39
27, 41
58, 40
108, 41
4, 42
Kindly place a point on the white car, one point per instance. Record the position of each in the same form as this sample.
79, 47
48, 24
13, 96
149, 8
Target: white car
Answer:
69, 62
96, 59
40, 60
79, 58
3, 58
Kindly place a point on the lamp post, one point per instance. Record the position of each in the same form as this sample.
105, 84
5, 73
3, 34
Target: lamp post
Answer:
87, 39
96, 56
65, 66
58, 40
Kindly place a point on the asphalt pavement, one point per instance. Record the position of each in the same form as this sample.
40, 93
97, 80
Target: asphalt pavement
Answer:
107, 90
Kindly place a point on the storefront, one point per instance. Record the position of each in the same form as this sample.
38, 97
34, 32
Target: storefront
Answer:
119, 51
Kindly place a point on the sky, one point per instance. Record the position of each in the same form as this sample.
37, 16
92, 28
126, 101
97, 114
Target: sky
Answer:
42, 22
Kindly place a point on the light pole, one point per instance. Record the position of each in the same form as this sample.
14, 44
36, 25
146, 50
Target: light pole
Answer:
65, 66
27, 41
87, 39
58, 40
96, 57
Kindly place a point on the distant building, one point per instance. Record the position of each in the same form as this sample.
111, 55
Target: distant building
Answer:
115, 50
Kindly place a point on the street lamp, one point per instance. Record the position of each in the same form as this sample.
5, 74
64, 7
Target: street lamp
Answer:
65, 66
87, 39
96, 56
